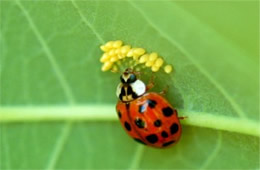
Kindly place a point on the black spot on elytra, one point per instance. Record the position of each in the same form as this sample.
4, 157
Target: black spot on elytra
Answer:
127, 126
152, 138
168, 143
119, 114
167, 111
139, 141
139, 123
151, 103
142, 108
164, 134
157, 123
174, 128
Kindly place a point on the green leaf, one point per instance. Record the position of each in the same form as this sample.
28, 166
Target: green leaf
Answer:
57, 107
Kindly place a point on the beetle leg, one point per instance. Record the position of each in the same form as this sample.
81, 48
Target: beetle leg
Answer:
180, 117
183, 117
151, 83
164, 90
138, 74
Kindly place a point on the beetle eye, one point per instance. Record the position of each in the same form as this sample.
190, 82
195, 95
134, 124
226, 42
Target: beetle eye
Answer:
131, 79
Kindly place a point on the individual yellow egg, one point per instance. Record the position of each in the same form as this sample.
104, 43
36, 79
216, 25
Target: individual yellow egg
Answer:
117, 51
143, 58
168, 69
139, 51
153, 56
104, 48
125, 49
109, 44
149, 63
158, 62
106, 66
136, 57
155, 68
130, 53
121, 56
113, 58
111, 52
117, 44
105, 57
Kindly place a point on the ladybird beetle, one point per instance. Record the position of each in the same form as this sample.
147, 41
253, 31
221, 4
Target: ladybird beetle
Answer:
146, 116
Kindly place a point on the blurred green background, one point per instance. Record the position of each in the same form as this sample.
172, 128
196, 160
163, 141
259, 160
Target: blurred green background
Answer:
50, 57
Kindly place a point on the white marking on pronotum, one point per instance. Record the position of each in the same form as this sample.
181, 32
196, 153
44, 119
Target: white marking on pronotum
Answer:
138, 87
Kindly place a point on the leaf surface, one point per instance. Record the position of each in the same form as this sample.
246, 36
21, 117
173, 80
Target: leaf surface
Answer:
57, 107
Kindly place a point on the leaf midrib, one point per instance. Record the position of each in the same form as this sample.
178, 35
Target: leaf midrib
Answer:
79, 113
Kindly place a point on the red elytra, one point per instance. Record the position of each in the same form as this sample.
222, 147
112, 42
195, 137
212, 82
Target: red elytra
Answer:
151, 120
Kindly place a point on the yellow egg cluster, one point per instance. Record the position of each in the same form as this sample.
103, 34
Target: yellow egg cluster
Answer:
115, 52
